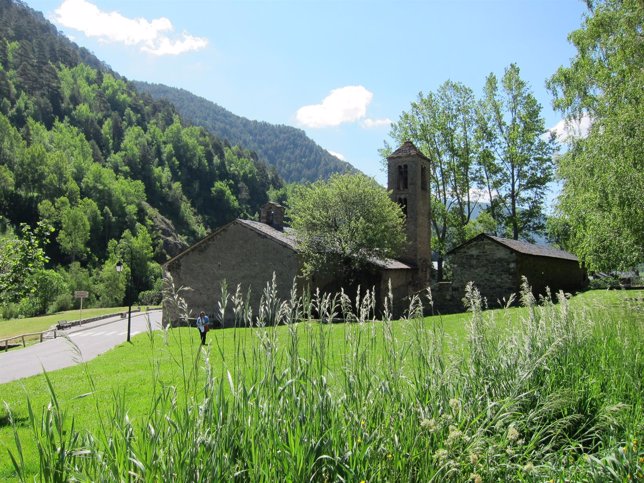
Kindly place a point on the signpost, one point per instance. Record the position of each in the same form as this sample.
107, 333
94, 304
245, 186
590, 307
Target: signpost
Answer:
81, 294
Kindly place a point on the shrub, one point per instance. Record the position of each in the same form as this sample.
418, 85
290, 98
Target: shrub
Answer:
604, 282
64, 301
28, 307
150, 297
9, 311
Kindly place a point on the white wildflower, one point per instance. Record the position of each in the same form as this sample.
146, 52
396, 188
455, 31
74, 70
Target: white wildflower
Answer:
513, 434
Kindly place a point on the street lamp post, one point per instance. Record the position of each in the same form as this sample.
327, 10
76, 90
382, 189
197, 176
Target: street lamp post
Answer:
128, 294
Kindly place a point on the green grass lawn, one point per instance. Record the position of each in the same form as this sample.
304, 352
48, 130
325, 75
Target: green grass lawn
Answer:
150, 360
134, 373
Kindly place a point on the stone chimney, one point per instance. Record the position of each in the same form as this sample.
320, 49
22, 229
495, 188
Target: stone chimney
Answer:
272, 214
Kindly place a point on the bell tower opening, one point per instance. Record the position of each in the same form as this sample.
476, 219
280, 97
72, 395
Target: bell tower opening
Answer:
402, 182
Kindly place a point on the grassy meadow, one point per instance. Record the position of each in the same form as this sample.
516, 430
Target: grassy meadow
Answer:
548, 391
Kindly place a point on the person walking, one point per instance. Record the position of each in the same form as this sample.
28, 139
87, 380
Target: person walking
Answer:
202, 326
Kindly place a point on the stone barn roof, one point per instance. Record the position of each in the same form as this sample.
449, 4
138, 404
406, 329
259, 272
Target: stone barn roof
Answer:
522, 247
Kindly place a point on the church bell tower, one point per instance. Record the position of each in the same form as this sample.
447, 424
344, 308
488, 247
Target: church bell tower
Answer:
408, 183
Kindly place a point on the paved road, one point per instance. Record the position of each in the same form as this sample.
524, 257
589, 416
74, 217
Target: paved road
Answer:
92, 339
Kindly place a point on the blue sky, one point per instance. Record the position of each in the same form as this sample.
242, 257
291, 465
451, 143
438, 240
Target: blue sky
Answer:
340, 70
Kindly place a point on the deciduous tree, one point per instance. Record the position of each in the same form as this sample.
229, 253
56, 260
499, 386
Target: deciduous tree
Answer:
20, 258
345, 223
603, 173
74, 232
518, 162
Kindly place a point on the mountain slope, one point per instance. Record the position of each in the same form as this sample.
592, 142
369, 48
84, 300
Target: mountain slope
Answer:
94, 172
295, 156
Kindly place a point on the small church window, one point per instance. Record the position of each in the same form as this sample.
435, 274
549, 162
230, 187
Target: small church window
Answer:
402, 201
402, 182
271, 217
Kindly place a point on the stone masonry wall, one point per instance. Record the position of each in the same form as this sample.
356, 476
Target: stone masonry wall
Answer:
401, 282
238, 255
492, 268
557, 274
496, 271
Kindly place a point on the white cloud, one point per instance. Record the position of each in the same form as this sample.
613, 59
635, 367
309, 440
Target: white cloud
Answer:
337, 155
567, 129
165, 46
375, 123
342, 105
482, 195
149, 36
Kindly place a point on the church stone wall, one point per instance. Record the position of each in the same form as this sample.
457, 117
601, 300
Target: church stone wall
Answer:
238, 255
401, 282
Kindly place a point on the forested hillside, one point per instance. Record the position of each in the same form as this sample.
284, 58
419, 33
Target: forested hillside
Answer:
91, 172
295, 156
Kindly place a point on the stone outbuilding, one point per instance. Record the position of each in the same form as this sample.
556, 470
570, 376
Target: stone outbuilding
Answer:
496, 266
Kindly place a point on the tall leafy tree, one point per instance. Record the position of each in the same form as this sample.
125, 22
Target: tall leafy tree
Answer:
74, 232
136, 252
603, 173
110, 284
21, 257
82, 150
442, 125
6, 186
518, 163
345, 223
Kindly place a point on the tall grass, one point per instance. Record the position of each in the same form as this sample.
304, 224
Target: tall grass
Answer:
559, 398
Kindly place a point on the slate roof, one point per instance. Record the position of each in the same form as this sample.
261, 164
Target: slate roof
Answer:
391, 264
407, 150
282, 237
285, 238
523, 247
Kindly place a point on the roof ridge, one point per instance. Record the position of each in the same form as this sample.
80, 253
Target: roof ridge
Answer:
524, 247
529, 248
406, 150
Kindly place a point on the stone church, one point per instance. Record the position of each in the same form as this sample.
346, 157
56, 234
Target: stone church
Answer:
247, 253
